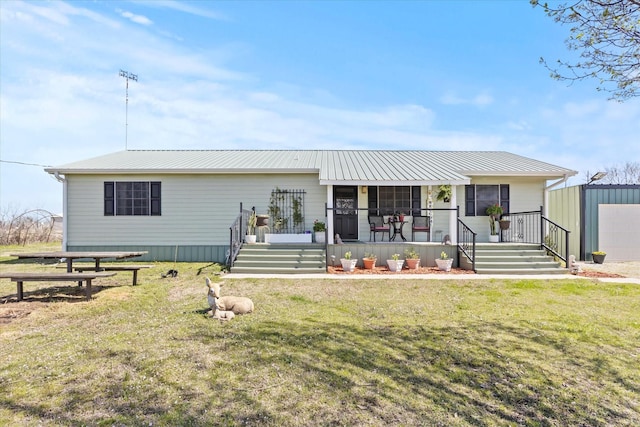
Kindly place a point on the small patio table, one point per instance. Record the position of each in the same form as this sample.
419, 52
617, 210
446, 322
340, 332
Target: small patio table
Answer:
397, 229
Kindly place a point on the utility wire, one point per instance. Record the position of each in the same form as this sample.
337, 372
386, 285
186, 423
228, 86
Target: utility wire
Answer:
26, 164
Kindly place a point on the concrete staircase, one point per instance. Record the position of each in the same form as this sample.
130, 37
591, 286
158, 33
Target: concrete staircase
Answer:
281, 258
513, 258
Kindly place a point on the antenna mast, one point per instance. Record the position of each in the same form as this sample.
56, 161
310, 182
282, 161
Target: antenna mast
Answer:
128, 76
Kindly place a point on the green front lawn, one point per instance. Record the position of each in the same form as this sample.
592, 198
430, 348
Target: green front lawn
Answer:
320, 352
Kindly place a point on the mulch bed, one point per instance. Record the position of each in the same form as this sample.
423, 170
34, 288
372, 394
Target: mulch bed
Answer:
596, 274
385, 270
454, 271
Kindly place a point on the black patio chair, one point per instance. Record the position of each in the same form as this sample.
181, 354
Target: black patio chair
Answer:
421, 224
377, 225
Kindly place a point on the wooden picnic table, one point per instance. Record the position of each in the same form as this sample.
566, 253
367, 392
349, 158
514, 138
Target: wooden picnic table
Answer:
20, 278
70, 256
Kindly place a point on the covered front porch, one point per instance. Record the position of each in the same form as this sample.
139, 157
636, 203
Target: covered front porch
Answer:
528, 247
400, 213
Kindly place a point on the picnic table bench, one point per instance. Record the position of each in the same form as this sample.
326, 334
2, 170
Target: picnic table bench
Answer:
20, 278
120, 267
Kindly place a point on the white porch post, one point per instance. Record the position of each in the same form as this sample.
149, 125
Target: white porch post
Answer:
330, 232
453, 220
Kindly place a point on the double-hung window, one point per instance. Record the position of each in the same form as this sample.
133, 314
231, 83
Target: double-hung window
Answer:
134, 198
479, 197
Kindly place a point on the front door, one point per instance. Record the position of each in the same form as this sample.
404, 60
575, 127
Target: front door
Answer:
345, 213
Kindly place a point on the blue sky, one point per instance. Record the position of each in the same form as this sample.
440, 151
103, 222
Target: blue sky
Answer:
431, 75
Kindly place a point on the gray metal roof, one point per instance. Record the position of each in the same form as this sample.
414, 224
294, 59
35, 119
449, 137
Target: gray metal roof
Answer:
366, 167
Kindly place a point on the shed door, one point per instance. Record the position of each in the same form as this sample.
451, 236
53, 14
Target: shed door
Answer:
619, 232
345, 214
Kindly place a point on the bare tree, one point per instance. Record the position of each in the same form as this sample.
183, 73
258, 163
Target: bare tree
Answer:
607, 35
629, 173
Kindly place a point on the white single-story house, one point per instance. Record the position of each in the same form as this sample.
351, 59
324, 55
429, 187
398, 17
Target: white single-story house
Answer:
181, 204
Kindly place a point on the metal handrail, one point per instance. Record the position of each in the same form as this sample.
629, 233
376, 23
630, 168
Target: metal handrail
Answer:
533, 227
237, 230
467, 243
556, 239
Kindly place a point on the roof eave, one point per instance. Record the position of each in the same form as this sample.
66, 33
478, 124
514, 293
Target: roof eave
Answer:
542, 174
396, 183
186, 171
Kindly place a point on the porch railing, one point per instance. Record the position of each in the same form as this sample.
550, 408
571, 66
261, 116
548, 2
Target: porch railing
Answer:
237, 230
556, 239
524, 227
467, 243
533, 227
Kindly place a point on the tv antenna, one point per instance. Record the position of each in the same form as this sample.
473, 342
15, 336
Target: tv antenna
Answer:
128, 76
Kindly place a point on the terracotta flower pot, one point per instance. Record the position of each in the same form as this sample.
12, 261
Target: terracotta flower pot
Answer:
369, 263
413, 264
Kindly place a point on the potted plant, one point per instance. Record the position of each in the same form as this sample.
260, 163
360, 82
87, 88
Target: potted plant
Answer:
598, 257
369, 261
504, 223
319, 229
263, 220
348, 264
444, 262
412, 259
395, 263
494, 212
251, 227
444, 193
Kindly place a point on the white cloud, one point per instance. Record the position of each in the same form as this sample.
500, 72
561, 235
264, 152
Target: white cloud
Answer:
185, 8
138, 19
481, 100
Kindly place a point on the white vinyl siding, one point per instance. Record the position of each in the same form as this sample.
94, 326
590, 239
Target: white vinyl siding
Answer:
196, 209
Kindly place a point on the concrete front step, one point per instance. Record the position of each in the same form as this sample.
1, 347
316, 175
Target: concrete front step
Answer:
280, 259
510, 258
276, 270
507, 252
515, 258
275, 258
291, 263
515, 265
522, 271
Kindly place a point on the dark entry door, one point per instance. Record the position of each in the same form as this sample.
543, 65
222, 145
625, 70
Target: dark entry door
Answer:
345, 213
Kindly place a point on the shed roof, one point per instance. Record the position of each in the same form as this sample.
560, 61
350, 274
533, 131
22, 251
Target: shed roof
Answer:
365, 167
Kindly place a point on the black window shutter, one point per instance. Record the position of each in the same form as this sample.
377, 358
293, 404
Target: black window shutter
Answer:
109, 197
415, 200
155, 198
504, 197
470, 200
373, 200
